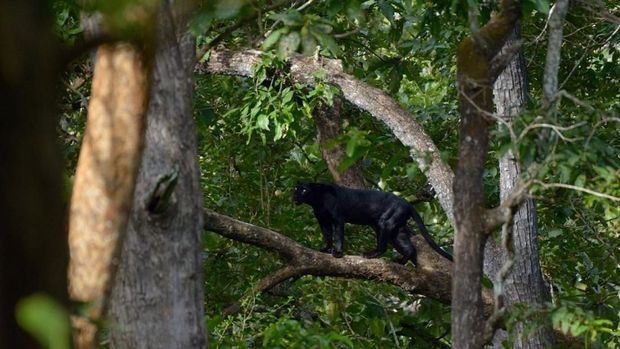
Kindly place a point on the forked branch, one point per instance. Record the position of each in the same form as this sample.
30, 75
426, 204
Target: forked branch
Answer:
431, 278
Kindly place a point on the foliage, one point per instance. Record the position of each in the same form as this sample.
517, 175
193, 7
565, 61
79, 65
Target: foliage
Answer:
257, 138
45, 320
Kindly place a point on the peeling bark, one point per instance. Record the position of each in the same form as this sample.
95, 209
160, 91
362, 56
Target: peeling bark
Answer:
370, 99
105, 180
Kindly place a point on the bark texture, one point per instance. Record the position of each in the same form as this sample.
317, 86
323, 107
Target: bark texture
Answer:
105, 180
554, 46
431, 278
525, 284
370, 99
33, 239
157, 299
327, 121
474, 76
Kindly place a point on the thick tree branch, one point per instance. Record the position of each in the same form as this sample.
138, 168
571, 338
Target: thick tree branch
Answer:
370, 99
431, 278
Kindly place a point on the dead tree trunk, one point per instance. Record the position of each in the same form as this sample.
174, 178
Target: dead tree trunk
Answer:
157, 299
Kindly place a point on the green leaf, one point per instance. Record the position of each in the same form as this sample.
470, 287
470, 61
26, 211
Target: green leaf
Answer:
228, 8
287, 95
386, 10
486, 282
308, 42
273, 38
291, 18
580, 181
45, 319
289, 44
278, 132
542, 6
328, 42
263, 122
554, 233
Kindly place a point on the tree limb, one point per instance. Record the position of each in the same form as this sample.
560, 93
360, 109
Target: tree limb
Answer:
431, 278
502, 214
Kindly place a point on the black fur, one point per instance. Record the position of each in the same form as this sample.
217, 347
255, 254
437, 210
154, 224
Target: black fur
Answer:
385, 212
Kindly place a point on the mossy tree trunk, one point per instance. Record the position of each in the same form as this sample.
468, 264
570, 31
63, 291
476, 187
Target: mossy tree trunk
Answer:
475, 76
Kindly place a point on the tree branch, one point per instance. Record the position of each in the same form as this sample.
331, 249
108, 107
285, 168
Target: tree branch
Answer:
431, 278
504, 213
552, 64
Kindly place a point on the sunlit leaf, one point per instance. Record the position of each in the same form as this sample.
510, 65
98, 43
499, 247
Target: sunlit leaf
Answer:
45, 319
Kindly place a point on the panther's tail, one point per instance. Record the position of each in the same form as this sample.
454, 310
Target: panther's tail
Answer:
427, 236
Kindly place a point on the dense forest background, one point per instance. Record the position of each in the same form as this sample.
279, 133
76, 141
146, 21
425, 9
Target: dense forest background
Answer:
261, 129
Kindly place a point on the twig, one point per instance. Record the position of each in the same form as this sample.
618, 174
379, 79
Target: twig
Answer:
233, 27
503, 213
574, 187
597, 7
555, 128
347, 34
544, 29
498, 286
603, 121
575, 100
577, 63
275, 24
308, 3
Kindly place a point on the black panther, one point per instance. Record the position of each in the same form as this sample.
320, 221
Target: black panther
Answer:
385, 212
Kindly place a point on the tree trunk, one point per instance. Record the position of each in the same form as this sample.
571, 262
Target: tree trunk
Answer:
105, 180
33, 239
157, 299
327, 120
475, 76
524, 284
